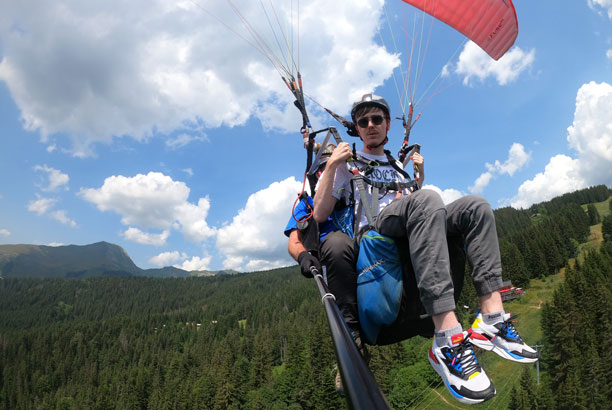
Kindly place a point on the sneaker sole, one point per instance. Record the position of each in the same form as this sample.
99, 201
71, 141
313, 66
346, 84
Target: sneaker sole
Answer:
444, 374
482, 342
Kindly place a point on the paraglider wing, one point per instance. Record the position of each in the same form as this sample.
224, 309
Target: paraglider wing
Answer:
491, 24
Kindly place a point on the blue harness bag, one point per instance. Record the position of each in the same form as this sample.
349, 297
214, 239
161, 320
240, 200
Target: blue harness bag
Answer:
379, 284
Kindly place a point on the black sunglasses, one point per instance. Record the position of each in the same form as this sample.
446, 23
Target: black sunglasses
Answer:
365, 121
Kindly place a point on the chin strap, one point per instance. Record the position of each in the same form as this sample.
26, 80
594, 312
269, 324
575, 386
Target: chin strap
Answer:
371, 147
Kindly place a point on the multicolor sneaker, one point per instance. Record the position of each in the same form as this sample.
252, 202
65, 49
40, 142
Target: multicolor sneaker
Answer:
459, 369
503, 339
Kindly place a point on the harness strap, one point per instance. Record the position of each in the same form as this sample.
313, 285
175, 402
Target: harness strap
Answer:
356, 219
371, 164
360, 179
391, 186
374, 205
363, 196
395, 166
367, 161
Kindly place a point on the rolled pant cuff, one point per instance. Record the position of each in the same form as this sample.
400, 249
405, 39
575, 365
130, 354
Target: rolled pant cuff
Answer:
490, 284
440, 305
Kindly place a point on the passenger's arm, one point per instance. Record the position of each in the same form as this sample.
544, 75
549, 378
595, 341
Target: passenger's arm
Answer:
324, 201
295, 246
301, 255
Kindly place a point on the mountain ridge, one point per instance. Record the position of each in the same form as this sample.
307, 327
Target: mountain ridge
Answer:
80, 261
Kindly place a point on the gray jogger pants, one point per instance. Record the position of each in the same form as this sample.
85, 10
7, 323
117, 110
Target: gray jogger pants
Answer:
425, 222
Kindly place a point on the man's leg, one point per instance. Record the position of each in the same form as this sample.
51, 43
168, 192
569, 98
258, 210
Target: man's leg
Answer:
421, 218
472, 217
337, 253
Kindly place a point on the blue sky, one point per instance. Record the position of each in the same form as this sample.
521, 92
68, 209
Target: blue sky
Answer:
152, 125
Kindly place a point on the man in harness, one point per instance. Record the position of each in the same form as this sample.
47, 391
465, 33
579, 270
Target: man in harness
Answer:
304, 237
393, 206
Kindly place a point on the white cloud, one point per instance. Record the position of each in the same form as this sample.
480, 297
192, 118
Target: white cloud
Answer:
234, 262
605, 4
167, 258
254, 239
561, 175
182, 140
195, 263
448, 195
590, 136
103, 70
180, 260
263, 264
188, 171
55, 244
136, 235
473, 62
192, 220
481, 182
62, 217
517, 158
55, 177
153, 201
591, 132
609, 54
42, 205
4, 232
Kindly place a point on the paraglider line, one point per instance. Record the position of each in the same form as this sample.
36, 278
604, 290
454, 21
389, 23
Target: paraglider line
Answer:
273, 31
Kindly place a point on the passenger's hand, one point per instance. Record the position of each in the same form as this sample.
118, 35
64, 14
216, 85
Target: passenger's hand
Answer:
307, 261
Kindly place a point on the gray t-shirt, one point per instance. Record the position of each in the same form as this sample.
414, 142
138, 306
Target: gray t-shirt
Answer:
383, 173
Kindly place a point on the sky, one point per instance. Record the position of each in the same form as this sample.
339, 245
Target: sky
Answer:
160, 126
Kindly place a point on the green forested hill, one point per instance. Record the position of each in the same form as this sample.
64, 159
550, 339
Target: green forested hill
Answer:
81, 261
135, 343
261, 341
74, 261
65, 261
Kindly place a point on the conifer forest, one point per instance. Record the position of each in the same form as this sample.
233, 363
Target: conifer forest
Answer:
261, 340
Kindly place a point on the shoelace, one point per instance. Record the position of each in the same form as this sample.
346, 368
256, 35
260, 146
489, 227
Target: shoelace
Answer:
507, 329
464, 354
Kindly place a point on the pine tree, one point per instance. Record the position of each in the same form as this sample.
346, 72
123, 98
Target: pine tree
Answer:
606, 228
528, 387
594, 217
544, 397
513, 264
262, 360
595, 382
535, 260
570, 393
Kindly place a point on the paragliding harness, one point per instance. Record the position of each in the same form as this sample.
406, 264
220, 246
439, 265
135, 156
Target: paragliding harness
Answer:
388, 301
387, 297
